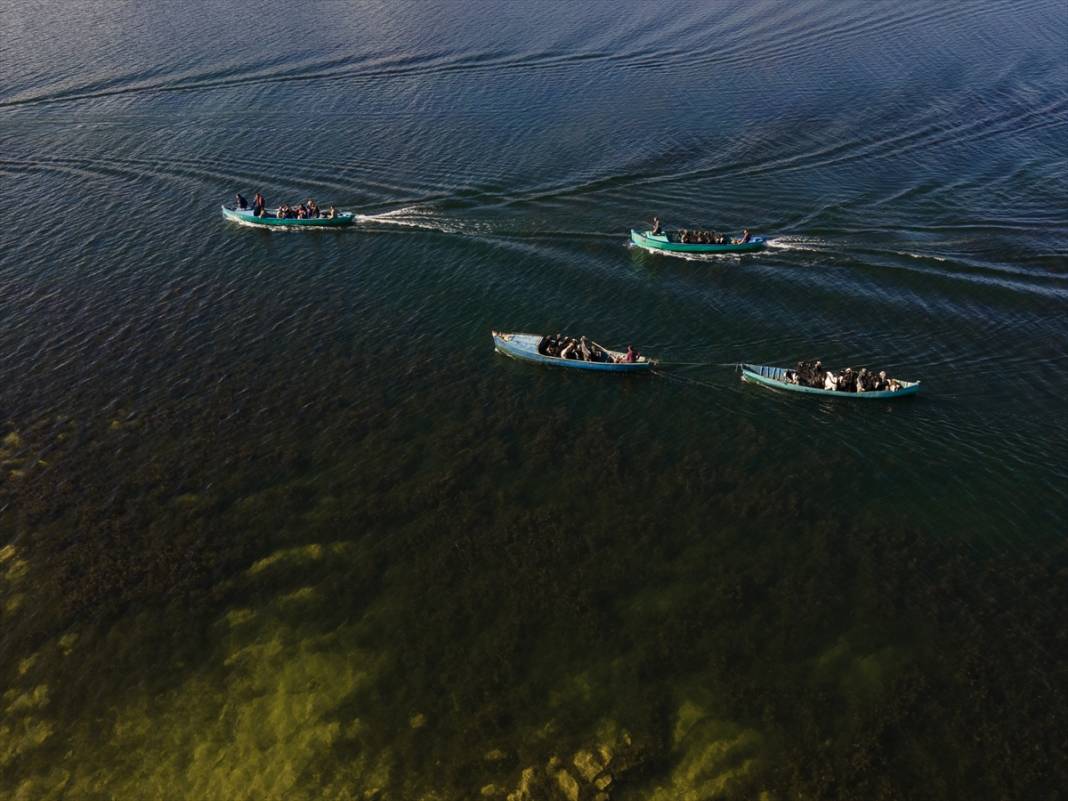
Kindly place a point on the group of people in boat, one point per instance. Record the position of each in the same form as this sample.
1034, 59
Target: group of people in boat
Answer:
563, 347
309, 210
812, 374
699, 237
702, 237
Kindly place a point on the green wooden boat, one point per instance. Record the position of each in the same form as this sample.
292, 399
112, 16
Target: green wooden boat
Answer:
525, 348
668, 242
271, 219
774, 377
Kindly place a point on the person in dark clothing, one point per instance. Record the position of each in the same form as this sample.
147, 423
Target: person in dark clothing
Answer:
258, 204
657, 229
242, 204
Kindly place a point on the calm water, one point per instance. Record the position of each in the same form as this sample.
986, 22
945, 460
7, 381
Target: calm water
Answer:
275, 522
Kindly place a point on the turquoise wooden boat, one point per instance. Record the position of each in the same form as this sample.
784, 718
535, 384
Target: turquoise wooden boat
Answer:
773, 377
525, 348
661, 242
270, 220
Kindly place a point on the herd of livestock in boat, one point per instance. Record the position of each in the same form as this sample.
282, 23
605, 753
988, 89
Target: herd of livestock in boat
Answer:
811, 378
562, 351
584, 354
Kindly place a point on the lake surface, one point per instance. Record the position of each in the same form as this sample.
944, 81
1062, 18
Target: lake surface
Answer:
276, 522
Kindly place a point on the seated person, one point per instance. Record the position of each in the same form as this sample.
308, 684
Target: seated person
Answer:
242, 204
746, 236
570, 350
331, 213
830, 381
630, 357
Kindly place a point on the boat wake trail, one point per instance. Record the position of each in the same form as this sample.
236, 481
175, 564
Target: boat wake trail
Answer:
428, 219
797, 243
713, 258
416, 217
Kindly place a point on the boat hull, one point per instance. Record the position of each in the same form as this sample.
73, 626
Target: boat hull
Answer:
525, 348
772, 377
246, 217
646, 239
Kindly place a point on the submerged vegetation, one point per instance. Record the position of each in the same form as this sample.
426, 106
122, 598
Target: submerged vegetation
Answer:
246, 611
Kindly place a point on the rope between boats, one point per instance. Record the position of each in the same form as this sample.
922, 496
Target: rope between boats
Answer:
698, 364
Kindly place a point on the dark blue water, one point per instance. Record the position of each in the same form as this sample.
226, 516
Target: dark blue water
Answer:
276, 522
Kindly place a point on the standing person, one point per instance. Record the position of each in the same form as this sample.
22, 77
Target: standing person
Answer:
242, 204
258, 205
657, 229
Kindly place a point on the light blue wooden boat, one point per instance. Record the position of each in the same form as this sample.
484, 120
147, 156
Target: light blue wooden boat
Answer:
270, 220
773, 377
525, 348
651, 241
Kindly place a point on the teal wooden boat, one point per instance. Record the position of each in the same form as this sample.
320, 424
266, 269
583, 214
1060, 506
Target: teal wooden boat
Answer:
525, 348
773, 377
663, 242
271, 220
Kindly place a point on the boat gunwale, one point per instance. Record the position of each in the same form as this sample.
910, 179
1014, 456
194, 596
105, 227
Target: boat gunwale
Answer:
751, 374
